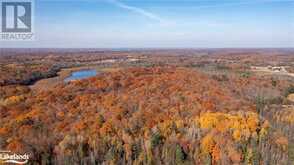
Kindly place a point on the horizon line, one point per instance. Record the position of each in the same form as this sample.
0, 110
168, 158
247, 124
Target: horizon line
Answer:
146, 47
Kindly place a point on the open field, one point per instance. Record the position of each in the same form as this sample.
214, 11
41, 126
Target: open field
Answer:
281, 70
149, 106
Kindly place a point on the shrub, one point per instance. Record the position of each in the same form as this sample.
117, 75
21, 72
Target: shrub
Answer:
245, 74
260, 103
156, 139
180, 155
274, 82
289, 90
291, 152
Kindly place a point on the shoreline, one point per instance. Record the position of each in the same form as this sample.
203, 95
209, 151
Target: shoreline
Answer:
48, 83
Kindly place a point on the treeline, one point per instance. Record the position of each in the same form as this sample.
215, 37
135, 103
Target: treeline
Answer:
26, 74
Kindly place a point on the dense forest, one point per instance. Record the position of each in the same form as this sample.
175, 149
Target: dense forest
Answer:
176, 113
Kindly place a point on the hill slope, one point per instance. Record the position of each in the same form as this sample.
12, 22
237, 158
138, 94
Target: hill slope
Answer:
136, 115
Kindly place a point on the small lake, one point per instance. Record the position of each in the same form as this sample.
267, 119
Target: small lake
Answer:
82, 74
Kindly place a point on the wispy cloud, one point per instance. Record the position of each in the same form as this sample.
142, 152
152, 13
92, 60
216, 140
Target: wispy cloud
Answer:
241, 3
137, 10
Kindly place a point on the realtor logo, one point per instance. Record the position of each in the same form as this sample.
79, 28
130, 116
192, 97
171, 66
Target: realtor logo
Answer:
16, 17
16, 20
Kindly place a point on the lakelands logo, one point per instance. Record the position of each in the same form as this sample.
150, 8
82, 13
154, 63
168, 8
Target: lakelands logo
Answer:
9, 157
17, 20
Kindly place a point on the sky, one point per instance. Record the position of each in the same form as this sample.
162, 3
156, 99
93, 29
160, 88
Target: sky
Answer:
161, 24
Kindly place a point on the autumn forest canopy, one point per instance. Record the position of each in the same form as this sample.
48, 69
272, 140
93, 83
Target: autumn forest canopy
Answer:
149, 106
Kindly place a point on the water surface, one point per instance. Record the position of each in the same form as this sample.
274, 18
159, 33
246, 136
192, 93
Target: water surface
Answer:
82, 74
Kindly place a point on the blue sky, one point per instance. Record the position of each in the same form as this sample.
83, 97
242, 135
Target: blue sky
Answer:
162, 23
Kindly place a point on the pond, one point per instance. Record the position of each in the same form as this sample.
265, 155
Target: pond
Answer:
82, 74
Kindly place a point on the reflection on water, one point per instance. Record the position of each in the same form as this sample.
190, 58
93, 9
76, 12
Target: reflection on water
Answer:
81, 75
